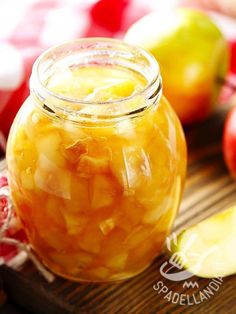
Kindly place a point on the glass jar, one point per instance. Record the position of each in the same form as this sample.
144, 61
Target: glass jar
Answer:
96, 159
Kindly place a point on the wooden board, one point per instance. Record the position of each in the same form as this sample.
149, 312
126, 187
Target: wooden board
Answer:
209, 189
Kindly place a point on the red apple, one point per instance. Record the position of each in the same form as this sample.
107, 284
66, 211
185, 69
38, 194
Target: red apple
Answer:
229, 141
233, 55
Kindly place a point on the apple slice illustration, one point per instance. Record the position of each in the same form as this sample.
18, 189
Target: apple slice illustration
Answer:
208, 248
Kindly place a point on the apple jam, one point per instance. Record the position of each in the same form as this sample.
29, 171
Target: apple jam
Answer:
96, 159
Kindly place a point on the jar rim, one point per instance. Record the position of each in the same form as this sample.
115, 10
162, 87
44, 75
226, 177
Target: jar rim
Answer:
154, 82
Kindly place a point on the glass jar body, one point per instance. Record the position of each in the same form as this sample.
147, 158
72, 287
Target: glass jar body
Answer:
97, 202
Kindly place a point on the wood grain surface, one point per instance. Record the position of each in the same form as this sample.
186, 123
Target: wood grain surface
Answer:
209, 189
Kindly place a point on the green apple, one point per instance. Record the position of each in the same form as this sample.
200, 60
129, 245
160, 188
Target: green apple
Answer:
192, 54
208, 248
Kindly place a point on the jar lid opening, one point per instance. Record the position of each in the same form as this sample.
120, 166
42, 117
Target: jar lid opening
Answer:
102, 52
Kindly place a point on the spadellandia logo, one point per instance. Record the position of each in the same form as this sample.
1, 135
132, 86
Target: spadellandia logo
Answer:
173, 271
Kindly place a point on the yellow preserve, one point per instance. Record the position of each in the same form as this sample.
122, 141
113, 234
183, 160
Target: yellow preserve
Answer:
96, 83
96, 160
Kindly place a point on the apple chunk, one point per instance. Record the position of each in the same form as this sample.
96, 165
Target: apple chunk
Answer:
208, 248
102, 192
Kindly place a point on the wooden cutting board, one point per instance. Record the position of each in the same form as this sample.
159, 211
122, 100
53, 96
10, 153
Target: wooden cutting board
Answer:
209, 189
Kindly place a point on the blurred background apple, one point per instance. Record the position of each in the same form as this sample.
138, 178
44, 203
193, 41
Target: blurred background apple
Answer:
229, 139
193, 57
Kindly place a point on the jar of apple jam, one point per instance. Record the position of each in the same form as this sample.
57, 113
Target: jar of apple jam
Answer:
96, 159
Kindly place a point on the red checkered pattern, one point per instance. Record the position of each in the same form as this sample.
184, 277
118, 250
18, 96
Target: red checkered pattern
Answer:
14, 231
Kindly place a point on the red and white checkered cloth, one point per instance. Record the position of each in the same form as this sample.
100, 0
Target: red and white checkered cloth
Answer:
27, 27
10, 253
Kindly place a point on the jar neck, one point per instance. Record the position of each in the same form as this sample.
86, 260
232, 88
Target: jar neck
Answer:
102, 52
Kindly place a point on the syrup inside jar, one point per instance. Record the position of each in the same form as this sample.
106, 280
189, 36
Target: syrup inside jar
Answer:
96, 166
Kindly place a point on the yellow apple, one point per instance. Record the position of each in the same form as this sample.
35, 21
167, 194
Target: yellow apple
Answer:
192, 54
